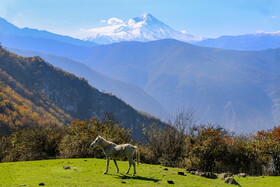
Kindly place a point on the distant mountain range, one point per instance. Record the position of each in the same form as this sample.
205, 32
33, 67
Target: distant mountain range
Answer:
259, 41
53, 48
10, 29
231, 88
142, 28
237, 89
61, 95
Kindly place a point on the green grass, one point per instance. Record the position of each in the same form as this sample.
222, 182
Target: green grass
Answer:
89, 172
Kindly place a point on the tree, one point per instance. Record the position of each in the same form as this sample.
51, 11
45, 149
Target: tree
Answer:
268, 144
206, 147
166, 145
32, 143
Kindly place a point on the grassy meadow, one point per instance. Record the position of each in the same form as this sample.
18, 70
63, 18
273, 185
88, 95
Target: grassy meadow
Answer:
89, 172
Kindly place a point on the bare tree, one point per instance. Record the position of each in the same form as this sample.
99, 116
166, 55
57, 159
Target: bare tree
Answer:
183, 120
166, 145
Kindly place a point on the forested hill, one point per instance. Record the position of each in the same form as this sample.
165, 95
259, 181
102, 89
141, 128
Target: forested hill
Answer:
62, 96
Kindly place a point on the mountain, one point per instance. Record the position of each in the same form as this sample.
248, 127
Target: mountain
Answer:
142, 28
16, 108
259, 41
236, 89
10, 29
129, 93
42, 41
47, 86
48, 46
53, 47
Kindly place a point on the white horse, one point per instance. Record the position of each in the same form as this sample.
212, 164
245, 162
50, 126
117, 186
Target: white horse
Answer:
114, 151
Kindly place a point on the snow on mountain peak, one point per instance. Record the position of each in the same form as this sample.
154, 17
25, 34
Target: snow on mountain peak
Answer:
146, 16
142, 28
269, 33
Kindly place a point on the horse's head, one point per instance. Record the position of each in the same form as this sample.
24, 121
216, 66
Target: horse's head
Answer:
96, 142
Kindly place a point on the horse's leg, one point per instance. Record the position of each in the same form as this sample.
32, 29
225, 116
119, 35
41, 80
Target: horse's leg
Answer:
116, 165
129, 165
133, 163
107, 165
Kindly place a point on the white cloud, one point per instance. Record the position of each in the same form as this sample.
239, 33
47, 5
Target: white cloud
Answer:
113, 25
184, 31
114, 21
273, 17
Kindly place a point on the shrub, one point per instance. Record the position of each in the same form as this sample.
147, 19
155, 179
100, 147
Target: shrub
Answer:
206, 148
267, 144
165, 145
79, 135
31, 143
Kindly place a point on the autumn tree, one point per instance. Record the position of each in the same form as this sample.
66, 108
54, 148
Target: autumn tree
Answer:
32, 143
205, 147
267, 143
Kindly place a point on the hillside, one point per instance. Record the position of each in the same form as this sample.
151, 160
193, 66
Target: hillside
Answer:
89, 172
231, 88
73, 95
16, 109
128, 92
53, 48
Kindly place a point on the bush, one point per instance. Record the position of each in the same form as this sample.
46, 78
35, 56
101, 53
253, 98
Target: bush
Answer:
205, 148
33, 143
267, 145
165, 146
80, 134
72, 141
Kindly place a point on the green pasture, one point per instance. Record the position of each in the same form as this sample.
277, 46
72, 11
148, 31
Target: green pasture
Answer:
89, 172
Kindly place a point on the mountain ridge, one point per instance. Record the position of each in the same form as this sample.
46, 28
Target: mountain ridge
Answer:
42, 45
258, 41
216, 83
128, 92
10, 29
71, 94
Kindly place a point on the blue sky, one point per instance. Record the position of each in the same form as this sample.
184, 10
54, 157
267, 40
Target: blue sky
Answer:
208, 18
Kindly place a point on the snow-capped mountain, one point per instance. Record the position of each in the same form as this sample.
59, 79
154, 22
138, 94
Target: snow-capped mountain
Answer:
142, 28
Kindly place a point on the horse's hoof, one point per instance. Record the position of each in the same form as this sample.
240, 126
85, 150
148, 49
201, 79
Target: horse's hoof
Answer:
105, 172
117, 171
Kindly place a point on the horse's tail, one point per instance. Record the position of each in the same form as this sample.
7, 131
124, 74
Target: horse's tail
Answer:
137, 155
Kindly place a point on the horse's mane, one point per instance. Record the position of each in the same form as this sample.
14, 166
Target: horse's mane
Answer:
106, 140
